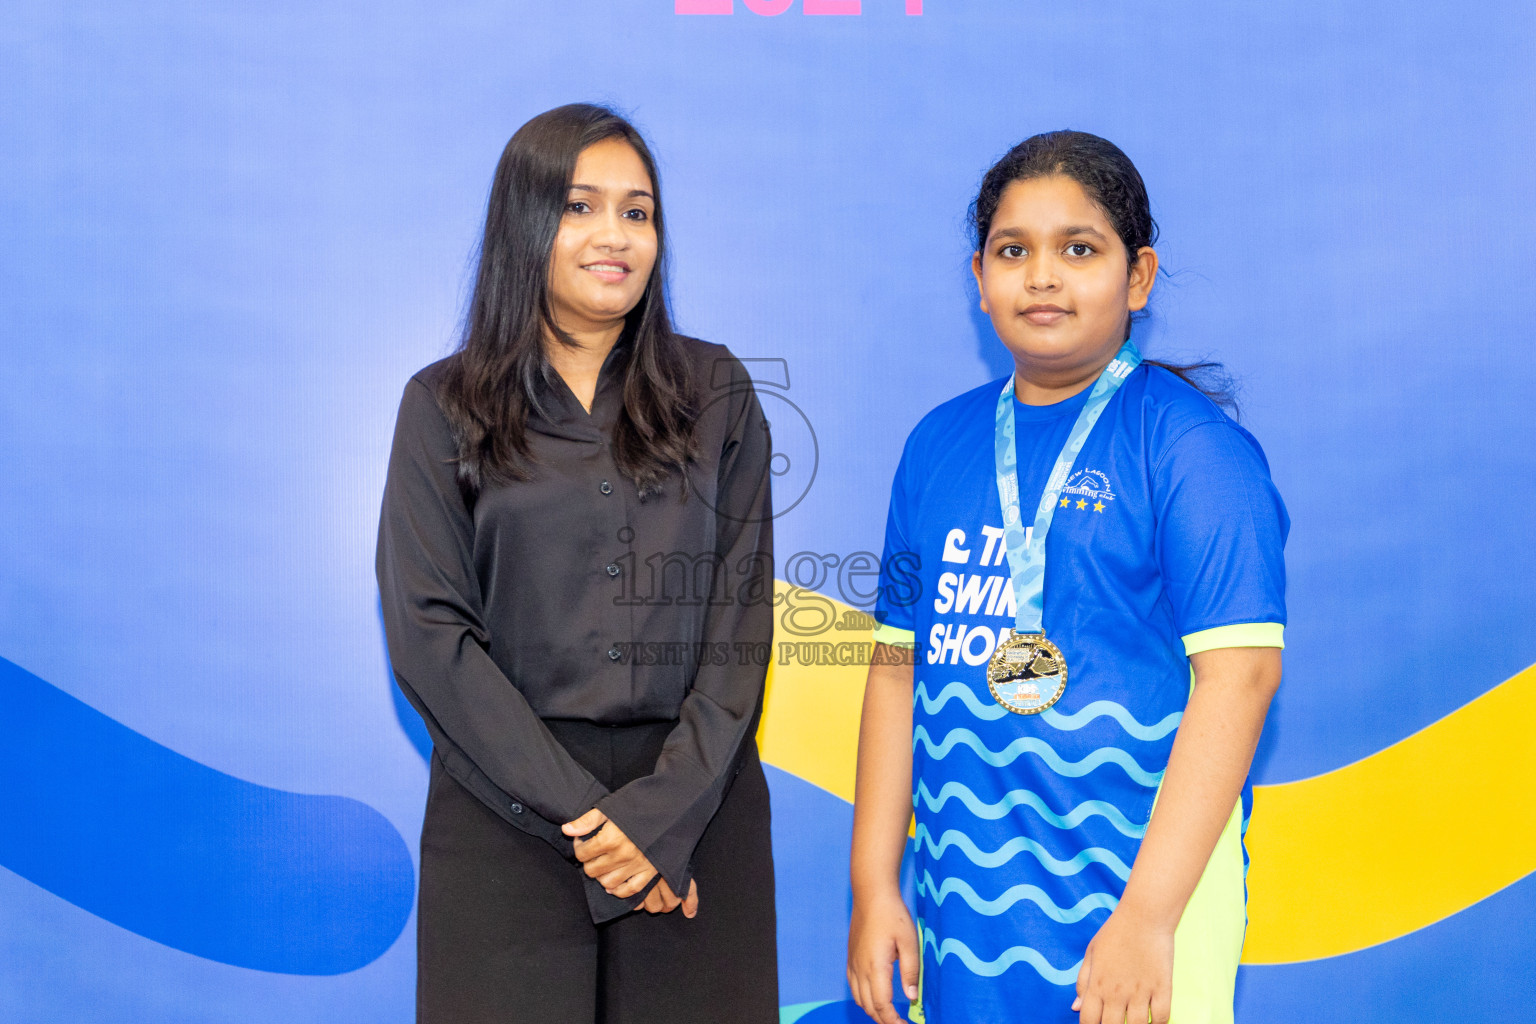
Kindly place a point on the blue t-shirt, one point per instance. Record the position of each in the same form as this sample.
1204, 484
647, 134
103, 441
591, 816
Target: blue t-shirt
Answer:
1027, 825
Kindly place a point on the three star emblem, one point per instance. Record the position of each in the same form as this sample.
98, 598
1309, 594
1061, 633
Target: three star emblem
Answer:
1098, 506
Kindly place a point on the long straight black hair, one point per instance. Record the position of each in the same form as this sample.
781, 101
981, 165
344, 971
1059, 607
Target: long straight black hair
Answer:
1115, 186
492, 379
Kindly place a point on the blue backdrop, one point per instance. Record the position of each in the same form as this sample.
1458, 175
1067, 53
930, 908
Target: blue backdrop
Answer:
232, 232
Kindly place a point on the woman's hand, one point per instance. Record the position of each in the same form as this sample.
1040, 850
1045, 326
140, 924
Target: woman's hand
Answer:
610, 856
661, 900
880, 935
1127, 973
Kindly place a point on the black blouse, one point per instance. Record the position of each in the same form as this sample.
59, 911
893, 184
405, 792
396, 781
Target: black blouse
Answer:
569, 596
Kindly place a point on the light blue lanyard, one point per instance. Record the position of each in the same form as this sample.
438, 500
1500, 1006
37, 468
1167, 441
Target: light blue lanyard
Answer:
1026, 561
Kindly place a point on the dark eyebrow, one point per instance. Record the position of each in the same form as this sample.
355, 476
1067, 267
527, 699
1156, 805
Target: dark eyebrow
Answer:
1074, 229
633, 193
1082, 230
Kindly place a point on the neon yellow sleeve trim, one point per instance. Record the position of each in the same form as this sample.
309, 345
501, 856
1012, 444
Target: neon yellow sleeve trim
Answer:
894, 637
1243, 634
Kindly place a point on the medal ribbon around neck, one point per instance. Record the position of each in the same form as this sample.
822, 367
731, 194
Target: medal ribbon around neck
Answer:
1025, 662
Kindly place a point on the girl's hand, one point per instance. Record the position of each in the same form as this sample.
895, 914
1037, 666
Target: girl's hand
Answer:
1127, 973
661, 900
610, 857
880, 935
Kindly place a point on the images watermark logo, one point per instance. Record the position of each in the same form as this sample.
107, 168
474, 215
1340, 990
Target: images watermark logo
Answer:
769, 8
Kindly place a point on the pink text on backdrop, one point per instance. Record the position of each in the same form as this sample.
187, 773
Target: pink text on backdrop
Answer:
769, 8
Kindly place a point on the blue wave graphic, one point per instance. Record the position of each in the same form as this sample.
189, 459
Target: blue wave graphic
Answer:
1015, 894
987, 712
1038, 747
1108, 708
1015, 846
190, 857
1023, 797
1006, 959
839, 1012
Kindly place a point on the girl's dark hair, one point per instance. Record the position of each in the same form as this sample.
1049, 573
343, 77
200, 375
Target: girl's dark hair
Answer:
490, 384
1115, 186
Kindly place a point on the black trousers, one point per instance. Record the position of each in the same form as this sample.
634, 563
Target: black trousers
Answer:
504, 934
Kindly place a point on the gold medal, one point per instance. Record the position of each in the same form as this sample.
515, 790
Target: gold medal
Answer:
1027, 673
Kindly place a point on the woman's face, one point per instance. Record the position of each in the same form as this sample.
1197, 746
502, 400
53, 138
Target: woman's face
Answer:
1053, 278
606, 245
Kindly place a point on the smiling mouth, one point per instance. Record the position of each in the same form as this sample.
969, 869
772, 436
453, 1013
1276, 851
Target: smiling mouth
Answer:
615, 271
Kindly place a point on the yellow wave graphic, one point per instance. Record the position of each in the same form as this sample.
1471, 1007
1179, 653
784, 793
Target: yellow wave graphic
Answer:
1346, 860
1400, 839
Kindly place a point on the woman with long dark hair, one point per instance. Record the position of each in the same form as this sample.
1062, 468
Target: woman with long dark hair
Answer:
575, 542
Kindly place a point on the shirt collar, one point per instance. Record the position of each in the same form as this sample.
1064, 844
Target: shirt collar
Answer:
563, 415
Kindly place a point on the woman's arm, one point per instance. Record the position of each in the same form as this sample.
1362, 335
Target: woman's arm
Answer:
881, 932
1128, 969
437, 637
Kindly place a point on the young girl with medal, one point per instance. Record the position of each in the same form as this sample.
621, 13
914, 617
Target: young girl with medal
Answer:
1070, 705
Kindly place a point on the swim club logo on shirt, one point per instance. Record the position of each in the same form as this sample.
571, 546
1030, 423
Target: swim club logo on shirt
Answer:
985, 593
1087, 489
990, 593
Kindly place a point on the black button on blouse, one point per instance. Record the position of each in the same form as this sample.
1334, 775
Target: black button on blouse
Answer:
566, 596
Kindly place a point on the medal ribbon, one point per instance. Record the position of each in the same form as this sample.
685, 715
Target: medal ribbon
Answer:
1026, 562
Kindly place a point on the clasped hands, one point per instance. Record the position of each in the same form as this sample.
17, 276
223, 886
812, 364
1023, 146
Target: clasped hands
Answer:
621, 868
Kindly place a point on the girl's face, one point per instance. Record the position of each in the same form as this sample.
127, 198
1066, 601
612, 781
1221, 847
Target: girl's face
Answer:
606, 245
1053, 277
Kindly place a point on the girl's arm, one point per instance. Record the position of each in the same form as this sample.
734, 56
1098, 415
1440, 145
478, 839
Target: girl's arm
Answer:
881, 932
1128, 969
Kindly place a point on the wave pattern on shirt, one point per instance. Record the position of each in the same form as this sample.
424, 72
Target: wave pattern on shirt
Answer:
984, 872
1040, 748
950, 886
1004, 960
1027, 798
955, 839
1098, 709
